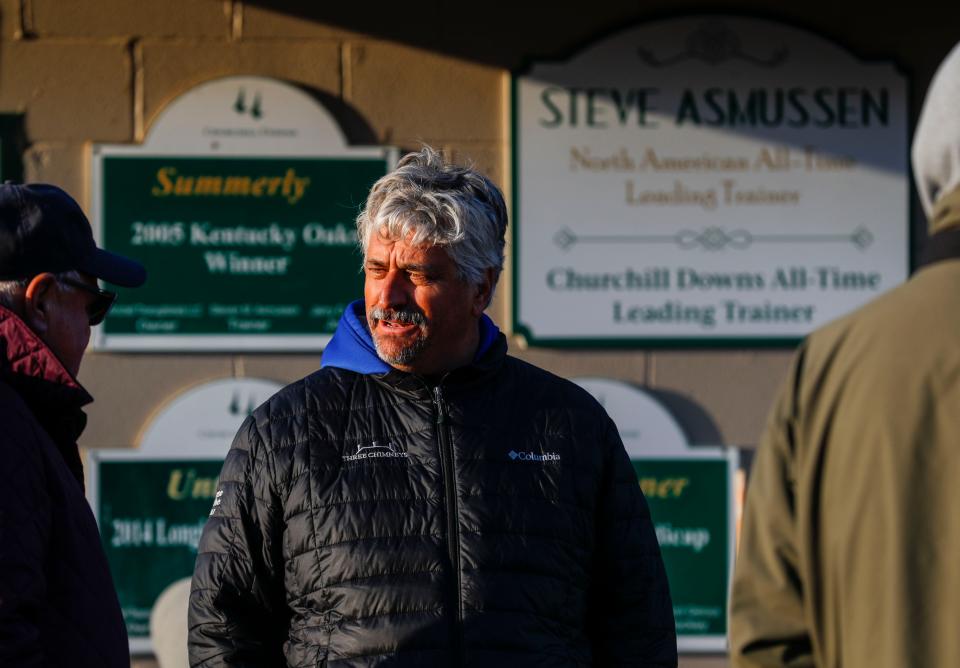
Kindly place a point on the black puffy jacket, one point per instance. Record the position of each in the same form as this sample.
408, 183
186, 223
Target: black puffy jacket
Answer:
373, 519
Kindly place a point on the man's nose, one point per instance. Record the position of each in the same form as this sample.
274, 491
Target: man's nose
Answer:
394, 290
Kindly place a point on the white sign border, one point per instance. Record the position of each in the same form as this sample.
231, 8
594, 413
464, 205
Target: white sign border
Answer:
691, 342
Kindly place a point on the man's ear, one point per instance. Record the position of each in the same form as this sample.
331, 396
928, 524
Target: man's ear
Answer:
37, 302
488, 281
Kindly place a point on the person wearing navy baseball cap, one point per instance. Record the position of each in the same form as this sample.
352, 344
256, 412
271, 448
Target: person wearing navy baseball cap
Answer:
54, 580
49, 266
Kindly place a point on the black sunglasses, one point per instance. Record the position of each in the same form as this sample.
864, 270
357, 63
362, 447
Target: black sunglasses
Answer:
102, 302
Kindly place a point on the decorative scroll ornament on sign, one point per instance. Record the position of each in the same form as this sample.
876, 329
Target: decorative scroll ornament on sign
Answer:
711, 238
713, 43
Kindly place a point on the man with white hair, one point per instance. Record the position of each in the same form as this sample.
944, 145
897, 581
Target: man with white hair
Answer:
848, 555
425, 499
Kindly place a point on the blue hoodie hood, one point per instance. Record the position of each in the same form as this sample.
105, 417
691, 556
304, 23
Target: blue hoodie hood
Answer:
352, 346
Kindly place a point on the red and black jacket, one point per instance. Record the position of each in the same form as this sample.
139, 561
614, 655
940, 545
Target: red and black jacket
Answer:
58, 606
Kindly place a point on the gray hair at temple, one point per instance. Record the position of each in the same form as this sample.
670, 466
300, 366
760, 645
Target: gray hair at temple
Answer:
428, 201
9, 291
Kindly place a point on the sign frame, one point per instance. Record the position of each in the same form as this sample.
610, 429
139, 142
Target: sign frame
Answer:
174, 134
706, 644
213, 342
595, 342
138, 645
196, 424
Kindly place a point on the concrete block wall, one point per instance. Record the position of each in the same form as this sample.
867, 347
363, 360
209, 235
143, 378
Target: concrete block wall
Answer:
101, 70
102, 73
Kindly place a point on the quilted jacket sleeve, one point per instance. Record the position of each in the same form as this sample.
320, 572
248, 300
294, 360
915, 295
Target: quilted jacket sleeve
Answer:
631, 621
767, 619
237, 612
24, 534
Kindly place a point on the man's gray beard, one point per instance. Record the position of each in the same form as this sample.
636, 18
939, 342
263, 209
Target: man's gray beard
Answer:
404, 356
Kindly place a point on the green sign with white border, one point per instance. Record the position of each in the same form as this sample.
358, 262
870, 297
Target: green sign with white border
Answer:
691, 502
228, 261
691, 494
151, 502
241, 203
151, 513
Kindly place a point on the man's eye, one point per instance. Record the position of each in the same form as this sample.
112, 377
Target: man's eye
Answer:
375, 271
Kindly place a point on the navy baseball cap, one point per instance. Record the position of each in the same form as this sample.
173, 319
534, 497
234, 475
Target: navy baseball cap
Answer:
43, 229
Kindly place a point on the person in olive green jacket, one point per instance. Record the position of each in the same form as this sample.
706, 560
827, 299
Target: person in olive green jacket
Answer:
850, 552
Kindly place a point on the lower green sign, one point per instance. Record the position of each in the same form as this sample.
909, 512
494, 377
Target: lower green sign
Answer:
151, 514
690, 500
152, 511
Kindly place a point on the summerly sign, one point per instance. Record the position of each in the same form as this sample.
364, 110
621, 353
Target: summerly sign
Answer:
241, 203
710, 178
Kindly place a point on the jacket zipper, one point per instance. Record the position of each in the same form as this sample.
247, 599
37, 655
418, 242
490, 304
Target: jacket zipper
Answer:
452, 512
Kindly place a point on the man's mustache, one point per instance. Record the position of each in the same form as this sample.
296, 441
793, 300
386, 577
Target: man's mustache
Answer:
410, 315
